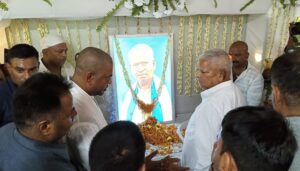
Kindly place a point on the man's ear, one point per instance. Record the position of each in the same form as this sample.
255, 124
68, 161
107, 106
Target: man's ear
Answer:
277, 97
222, 75
89, 77
45, 127
227, 162
8, 67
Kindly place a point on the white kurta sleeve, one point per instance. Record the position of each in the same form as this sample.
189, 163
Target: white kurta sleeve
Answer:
255, 91
79, 139
200, 136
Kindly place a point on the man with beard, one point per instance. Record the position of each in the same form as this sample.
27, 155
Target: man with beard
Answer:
246, 76
92, 76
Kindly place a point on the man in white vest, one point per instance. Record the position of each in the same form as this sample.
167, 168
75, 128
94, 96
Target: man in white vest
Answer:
92, 76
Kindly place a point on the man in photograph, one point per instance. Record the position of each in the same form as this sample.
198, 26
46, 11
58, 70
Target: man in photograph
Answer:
148, 92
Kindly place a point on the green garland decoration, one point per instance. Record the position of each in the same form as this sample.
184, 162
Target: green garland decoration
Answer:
147, 108
48, 2
109, 15
216, 3
246, 5
292, 2
3, 6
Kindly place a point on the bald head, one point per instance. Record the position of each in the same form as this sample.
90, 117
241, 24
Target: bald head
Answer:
93, 70
239, 54
240, 45
91, 59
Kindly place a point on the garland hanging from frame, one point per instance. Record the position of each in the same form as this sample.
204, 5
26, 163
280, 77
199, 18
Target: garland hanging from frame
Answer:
145, 108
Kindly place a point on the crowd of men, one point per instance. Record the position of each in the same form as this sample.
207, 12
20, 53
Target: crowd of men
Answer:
50, 120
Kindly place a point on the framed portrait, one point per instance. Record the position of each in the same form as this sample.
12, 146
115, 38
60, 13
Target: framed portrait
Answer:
143, 76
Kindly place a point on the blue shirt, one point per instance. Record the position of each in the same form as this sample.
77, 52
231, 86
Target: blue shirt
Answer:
7, 89
19, 153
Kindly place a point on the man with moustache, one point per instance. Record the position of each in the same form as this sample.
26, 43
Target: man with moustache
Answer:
54, 55
92, 76
245, 76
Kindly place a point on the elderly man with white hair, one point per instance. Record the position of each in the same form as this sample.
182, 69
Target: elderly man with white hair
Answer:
142, 65
219, 96
54, 55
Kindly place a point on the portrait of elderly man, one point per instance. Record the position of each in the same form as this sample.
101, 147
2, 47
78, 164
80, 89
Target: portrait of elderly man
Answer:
219, 96
146, 88
54, 55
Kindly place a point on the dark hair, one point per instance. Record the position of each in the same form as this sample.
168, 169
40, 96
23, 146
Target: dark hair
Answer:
285, 73
38, 97
258, 139
118, 146
20, 51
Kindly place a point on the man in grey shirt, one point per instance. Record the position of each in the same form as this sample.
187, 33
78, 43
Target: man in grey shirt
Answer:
285, 76
43, 110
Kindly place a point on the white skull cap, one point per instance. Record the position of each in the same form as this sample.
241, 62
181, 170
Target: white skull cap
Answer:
51, 40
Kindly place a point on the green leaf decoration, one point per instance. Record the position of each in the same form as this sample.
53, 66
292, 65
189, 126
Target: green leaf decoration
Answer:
155, 5
109, 15
293, 2
165, 4
136, 10
216, 3
185, 8
282, 3
170, 2
48, 2
246, 5
3, 6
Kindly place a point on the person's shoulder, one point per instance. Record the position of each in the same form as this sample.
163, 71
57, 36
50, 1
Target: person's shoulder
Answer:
7, 127
229, 92
253, 72
4, 86
6, 132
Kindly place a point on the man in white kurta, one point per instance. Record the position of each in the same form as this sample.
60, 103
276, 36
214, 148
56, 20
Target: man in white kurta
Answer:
67, 69
220, 95
251, 84
53, 56
246, 76
92, 76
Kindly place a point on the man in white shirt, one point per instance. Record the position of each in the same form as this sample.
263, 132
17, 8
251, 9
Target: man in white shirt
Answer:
246, 76
54, 55
92, 76
220, 95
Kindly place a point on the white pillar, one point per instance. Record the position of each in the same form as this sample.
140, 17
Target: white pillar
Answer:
3, 38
